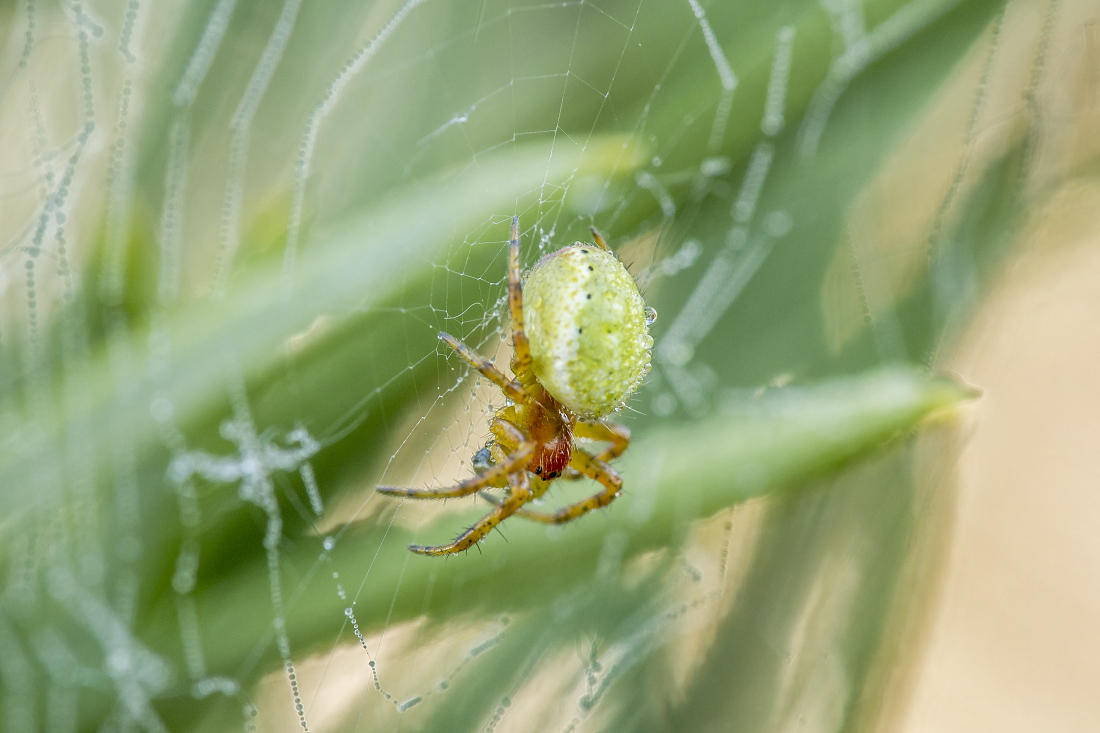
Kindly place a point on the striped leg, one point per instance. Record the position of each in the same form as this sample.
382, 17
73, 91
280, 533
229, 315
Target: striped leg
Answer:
592, 467
615, 434
510, 387
519, 495
521, 356
515, 462
598, 239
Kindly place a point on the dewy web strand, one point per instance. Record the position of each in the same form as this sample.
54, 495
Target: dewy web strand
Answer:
352, 67
122, 168
774, 113
257, 459
28, 34
203, 55
903, 24
743, 254
241, 126
268, 458
725, 75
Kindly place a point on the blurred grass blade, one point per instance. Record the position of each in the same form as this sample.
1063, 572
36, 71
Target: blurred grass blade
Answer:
674, 476
343, 272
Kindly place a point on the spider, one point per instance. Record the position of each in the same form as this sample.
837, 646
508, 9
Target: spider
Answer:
581, 347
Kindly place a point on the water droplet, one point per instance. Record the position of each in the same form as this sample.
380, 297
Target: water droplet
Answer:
778, 223
717, 166
650, 316
329, 543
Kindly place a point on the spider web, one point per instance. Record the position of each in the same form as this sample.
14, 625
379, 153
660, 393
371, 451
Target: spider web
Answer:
230, 160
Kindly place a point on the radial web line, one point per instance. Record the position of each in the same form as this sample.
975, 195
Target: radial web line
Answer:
742, 255
85, 72
241, 125
258, 457
121, 174
442, 686
203, 55
28, 35
136, 673
129, 30
846, 17
650, 182
893, 31
171, 221
718, 286
725, 75
557, 122
1032, 138
122, 169
937, 232
352, 67
127, 491
774, 112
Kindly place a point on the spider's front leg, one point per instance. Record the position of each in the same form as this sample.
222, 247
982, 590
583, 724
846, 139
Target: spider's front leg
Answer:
516, 461
521, 355
519, 495
510, 387
598, 239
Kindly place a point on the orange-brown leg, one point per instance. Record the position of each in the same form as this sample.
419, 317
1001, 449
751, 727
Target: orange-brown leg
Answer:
510, 387
592, 467
516, 461
615, 434
539, 487
521, 356
598, 239
519, 495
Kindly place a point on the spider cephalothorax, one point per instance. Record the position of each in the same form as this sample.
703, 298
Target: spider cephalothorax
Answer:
580, 334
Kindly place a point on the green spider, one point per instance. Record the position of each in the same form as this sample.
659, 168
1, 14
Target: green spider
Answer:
580, 334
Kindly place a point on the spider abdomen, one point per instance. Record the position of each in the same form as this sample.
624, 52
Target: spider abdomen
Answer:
586, 323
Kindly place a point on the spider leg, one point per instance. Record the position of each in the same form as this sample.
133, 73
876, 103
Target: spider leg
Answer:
521, 355
592, 467
538, 486
510, 387
614, 433
516, 461
599, 239
519, 495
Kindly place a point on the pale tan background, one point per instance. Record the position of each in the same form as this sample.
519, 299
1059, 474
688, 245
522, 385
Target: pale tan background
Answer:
1012, 641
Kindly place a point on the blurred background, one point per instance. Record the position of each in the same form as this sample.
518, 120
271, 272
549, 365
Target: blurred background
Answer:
860, 495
